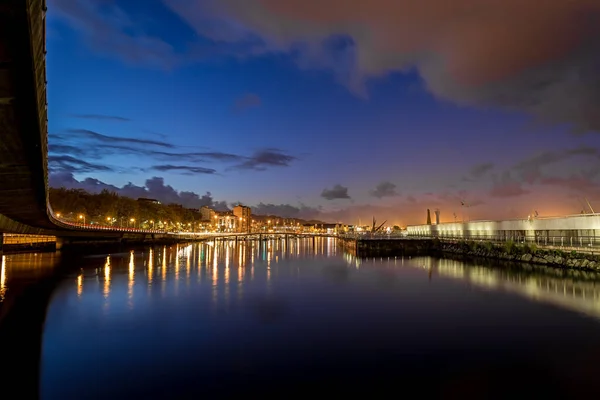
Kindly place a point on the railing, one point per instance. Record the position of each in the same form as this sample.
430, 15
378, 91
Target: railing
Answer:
12, 239
110, 228
579, 243
375, 236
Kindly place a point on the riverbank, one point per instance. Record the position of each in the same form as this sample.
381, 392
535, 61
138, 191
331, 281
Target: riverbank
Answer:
521, 252
507, 251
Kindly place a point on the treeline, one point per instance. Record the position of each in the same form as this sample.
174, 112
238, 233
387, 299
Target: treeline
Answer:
108, 208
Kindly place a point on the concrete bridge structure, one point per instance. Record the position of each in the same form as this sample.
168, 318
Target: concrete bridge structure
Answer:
24, 206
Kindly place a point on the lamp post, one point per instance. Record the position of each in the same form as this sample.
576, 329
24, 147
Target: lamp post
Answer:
132, 220
81, 216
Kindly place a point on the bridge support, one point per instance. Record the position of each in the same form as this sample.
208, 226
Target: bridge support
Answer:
60, 242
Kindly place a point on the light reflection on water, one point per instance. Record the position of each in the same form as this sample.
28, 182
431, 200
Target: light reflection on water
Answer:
18, 270
206, 305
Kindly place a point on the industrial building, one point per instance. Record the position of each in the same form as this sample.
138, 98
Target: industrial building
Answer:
580, 227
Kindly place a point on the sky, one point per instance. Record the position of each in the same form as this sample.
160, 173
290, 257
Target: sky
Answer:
330, 109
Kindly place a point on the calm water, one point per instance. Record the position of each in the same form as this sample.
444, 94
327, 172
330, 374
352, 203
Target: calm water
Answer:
224, 319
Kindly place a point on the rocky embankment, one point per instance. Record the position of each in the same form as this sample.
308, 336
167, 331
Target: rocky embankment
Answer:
528, 253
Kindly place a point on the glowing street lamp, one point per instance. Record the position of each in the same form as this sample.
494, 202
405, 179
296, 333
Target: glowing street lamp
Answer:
57, 215
81, 216
132, 220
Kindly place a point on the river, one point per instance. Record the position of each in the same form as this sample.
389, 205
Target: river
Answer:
297, 317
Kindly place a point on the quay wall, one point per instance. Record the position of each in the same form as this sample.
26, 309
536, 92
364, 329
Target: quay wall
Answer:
521, 252
570, 258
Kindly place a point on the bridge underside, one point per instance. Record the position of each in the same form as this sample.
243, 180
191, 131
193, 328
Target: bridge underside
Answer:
23, 118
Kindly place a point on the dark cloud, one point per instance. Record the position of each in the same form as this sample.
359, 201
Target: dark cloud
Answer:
86, 133
100, 117
188, 170
287, 211
476, 53
109, 30
247, 101
70, 164
65, 149
530, 169
336, 192
576, 182
154, 188
165, 155
384, 189
94, 145
266, 158
480, 170
507, 186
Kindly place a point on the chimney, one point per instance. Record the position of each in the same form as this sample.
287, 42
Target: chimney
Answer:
428, 217
437, 217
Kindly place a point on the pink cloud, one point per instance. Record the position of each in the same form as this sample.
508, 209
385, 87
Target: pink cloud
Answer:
518, 54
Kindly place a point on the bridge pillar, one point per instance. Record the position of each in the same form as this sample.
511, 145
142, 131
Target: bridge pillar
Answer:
61, 242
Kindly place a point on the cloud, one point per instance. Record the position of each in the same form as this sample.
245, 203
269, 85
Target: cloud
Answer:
188, 170
87, 144
507, 186
74, 165
247, 101
475, 53
384, 189
154, 188
86, 133
100, 117
337, 192
109, 30
65, 149
480, 170
266, 158
530, 169
287, 211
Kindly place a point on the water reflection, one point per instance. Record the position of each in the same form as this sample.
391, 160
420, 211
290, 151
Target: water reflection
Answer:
150, 266
107, 278
575, 290
18, 270
3, 279
247, 305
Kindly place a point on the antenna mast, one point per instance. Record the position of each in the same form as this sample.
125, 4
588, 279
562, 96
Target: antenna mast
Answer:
590, 206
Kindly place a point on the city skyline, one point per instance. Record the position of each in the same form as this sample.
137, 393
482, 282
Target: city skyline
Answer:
305, 109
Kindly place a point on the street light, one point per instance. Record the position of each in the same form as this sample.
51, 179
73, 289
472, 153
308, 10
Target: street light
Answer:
132, 220
81, 216
57, 215
108, 219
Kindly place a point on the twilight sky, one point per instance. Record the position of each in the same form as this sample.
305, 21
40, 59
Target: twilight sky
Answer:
332, 109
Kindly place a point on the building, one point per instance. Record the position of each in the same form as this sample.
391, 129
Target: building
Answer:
226, 221
244, 218
207, 213
579, 229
